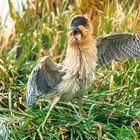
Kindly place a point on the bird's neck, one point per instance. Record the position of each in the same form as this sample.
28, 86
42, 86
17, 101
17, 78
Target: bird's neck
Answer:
80, 60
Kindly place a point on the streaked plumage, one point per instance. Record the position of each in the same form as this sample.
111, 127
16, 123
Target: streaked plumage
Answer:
74, 76
117, 45
44, 77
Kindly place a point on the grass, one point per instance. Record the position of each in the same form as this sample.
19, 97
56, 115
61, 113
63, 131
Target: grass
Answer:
112, 108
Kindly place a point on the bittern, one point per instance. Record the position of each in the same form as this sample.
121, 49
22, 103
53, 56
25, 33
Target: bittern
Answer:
72, 79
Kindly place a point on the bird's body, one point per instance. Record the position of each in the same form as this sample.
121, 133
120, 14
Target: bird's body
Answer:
75, 75
72, 79
79, 66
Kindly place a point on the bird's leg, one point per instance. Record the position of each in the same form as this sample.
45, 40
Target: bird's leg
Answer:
80, 105
54, 101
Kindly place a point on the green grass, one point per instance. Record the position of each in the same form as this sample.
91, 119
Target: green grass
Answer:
111, 112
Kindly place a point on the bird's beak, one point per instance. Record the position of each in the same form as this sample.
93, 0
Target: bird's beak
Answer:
74, 31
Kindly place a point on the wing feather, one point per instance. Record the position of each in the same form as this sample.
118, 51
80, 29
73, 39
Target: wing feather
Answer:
117, 45
44, 77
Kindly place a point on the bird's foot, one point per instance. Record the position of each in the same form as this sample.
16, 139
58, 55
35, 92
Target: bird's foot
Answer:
80, 105
81, 111
45, 120
54, 101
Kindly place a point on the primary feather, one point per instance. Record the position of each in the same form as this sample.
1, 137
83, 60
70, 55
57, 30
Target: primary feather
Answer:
117, 45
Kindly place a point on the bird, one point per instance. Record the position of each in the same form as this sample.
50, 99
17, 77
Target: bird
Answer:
72, 78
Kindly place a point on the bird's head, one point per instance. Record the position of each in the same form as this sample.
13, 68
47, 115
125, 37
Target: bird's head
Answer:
80, 30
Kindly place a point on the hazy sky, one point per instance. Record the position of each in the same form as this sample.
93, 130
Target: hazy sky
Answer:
4, 8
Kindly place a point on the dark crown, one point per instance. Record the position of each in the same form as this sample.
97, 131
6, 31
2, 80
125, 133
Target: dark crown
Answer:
78, 20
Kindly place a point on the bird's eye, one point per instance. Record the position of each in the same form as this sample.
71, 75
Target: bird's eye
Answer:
76, 32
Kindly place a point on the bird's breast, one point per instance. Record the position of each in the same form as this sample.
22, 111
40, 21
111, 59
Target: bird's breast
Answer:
79, 68
76, 85
73, 88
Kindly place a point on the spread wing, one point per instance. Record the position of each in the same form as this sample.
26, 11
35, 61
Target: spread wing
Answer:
43, 78
117, 45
